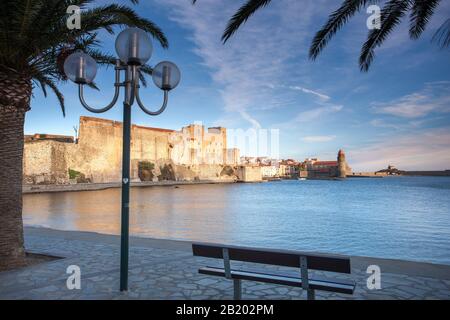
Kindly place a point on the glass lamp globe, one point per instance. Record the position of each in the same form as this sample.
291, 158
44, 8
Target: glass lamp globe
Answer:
80, 67
133, 46
166, 75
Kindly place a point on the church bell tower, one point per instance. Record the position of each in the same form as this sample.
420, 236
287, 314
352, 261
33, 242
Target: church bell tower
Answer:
342, 164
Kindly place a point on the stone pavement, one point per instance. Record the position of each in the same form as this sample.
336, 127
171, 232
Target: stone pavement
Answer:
165, 269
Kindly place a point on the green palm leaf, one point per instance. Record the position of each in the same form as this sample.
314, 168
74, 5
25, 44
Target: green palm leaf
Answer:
421, 12
335, 22
242, 15
34, 38
43, 81
391, 15
442, 35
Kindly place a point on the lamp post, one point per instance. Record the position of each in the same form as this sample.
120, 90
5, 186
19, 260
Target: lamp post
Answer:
134, 48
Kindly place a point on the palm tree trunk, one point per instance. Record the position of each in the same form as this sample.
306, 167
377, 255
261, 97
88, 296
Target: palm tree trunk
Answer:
15, 92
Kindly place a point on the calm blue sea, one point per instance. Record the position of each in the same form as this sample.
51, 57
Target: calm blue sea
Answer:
399, 217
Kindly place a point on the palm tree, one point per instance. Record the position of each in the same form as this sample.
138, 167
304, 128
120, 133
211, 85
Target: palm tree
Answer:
34, 42
392, 13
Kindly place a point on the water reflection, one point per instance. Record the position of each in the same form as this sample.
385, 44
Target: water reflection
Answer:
405, 218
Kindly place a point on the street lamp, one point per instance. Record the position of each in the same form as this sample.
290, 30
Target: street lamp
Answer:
134, 48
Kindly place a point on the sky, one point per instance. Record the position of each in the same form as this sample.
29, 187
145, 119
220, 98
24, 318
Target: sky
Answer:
398, 113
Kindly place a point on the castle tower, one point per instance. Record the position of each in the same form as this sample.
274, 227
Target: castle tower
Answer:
342, 164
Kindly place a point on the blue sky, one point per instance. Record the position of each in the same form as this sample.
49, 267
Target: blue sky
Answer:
398, 113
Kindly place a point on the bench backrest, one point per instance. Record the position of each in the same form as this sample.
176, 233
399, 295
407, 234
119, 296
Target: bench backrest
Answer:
274, 257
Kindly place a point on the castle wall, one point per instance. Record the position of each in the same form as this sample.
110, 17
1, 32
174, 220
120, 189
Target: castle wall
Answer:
249, 173
98, 152
189, 154
45, 162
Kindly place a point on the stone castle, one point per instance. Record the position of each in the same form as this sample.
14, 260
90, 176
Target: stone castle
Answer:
193, 153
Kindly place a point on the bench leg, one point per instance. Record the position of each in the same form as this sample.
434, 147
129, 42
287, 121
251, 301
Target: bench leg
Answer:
237, 289
311, 294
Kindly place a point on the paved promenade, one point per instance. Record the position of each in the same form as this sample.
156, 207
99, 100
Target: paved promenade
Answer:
163, 269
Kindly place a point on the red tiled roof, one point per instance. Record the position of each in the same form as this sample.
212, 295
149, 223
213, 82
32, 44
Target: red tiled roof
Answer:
325, 163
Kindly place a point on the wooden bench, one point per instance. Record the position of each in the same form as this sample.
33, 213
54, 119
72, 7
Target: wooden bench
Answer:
303, 261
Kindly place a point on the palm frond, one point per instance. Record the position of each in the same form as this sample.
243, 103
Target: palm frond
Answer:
106, 17
93, 85
147, 69
442, 35
100, 57
59, 95
421, 12
142, 79
143, 71
335, 22
44, 81
35, 41
42, 85
391, 15
241, 16
32, 9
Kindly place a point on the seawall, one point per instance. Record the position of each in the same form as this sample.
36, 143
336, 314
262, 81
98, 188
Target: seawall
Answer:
50, 188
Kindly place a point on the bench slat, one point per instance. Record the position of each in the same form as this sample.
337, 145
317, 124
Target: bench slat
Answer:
315, 283
274, 257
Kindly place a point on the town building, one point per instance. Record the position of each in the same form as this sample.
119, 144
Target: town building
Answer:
269, 171
288, 168
192, 153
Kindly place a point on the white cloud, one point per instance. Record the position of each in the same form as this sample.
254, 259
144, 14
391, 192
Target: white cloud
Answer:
322, 96
380, 123
435, 97
316, 113
269, 53
315, 139
264, 50
400, 124
428, 150
410, 106
250, 119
